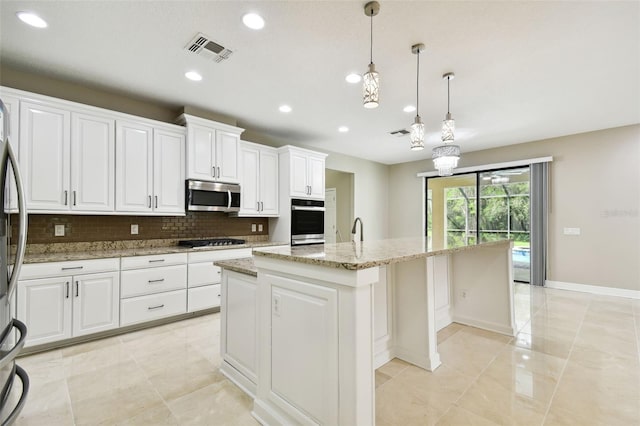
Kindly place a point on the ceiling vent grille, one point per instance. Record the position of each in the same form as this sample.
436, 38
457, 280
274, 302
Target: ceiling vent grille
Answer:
208, 48
399, 133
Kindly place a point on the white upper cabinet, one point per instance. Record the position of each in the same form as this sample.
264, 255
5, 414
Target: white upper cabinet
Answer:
212, 150
149, 169
92, 162
259, 180
45, 142
306, 172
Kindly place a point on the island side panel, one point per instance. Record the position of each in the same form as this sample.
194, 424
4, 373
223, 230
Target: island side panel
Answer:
482, 288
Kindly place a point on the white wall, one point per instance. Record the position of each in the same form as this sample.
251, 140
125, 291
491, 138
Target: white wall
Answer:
594, 185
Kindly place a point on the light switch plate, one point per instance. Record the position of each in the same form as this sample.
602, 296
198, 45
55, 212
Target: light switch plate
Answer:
259, 227
571, 231
134, 229
59, 231
253, 227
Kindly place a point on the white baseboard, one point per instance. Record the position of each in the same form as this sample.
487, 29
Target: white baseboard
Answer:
486, 325
594, 289
238, 379
443, 317
421, 360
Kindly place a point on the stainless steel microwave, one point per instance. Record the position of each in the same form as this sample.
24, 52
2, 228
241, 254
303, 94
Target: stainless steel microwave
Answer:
212, 196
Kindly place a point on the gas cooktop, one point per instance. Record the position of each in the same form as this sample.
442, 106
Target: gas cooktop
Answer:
210, 242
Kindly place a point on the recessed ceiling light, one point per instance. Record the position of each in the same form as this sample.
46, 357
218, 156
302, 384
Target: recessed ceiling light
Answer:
409, 108
343, 129
285, 108
32, 19
353, 78
253, 21
193, 76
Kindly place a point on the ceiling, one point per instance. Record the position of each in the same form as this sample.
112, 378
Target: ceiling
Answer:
524, 70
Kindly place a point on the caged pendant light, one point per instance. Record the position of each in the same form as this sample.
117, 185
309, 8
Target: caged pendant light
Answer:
417, 128
446, 156
370, 79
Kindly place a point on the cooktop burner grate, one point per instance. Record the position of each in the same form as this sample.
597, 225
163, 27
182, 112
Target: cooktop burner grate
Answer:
211, 242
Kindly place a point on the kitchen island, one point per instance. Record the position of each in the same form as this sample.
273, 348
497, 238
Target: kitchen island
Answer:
326, 316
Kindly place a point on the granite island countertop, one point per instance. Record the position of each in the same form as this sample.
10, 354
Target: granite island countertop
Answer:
105, 252
362, 255
244, 265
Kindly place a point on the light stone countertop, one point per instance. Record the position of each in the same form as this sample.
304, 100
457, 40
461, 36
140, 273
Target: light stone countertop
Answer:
138, 251
357, 255
244, 265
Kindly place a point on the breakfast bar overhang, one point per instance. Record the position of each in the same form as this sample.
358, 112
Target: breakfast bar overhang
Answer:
328, 315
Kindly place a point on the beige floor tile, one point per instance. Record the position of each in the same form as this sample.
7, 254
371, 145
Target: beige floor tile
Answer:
488, 399
158, 415
542, 326
45, 370
170, 357
398, 404
490, 335
98, 358
146, 332
116, 406
607, 339
220, 403
146, 344
93, 384
440, 388
457, 416
554, 346
181, 379
558, 319
449, 331
90, 346
41, 356
393, 367
469, 353
47, 404
381, 378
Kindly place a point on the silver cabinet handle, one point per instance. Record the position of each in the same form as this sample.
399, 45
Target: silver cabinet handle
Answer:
261, 206
67, 286
77, 289
66, 196
258, 205
74, 198
156, 260
218, 172
156, 281
156, 197
213, 172
149, 201
155, 307
70, 268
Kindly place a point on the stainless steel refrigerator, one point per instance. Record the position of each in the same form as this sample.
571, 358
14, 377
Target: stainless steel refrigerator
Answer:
13, 332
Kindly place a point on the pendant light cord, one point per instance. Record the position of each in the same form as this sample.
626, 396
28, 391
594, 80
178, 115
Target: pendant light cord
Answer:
448, 95
417, 85
371, 32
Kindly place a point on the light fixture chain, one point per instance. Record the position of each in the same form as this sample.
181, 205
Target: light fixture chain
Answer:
371, 35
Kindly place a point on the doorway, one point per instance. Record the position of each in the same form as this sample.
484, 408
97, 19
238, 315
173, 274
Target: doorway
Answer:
339, 187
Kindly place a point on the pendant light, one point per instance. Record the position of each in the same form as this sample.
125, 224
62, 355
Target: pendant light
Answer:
417, 128
446, 156
370, 79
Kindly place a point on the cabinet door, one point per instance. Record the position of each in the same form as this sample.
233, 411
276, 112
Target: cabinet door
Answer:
134, 170
299, 185
250, 182
227, 156
316, 177
44, 151
92, 163
168, 172
13, 107
201, 143
269, 182
96, 303
240, 334
44, 305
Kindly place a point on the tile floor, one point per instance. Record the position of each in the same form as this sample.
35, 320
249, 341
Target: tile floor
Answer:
574, 361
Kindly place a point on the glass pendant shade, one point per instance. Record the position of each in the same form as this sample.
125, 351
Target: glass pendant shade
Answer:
370, 87
417, 134
445, 159
448, 128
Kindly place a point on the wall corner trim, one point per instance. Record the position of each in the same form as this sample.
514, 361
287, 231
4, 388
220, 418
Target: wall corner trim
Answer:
593, 289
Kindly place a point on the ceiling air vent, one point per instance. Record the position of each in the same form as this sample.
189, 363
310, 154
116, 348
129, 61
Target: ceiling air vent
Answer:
210, 49
399, 133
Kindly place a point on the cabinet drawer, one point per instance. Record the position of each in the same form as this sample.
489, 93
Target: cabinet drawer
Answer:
138, 282
136, 262
74, 267
204, 274
147, 308
203, 297
212, 255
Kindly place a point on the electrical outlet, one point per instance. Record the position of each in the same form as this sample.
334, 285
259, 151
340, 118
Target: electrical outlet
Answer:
276, 305
134, 229
571, 231
253, 227
59, 231
464, 293
259, 227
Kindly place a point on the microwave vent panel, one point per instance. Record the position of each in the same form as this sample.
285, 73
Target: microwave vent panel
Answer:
208, 48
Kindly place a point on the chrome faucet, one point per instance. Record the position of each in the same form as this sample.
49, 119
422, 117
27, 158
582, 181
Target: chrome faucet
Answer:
353, 230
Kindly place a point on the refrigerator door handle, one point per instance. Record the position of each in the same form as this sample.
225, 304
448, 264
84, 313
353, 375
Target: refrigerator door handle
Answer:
24, 378
9, 356
22, 214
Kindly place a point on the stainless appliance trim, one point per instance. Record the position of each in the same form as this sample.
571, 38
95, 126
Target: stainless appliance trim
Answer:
213, 186
229, 188
309, 209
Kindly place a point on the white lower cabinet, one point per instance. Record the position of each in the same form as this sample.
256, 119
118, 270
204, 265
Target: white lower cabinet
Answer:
60, 301
150, 290
205, 277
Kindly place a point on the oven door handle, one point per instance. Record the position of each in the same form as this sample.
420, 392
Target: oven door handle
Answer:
308, 209
9, 356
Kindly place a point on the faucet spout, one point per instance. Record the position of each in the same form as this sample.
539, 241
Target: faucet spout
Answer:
353, 229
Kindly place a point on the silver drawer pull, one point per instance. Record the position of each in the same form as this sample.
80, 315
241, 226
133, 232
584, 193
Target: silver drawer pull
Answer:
69, 268
156, 281
155, 307
156, 260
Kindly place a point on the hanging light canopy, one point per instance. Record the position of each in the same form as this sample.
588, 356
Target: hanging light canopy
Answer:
446, 156
370, 79
417, 128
